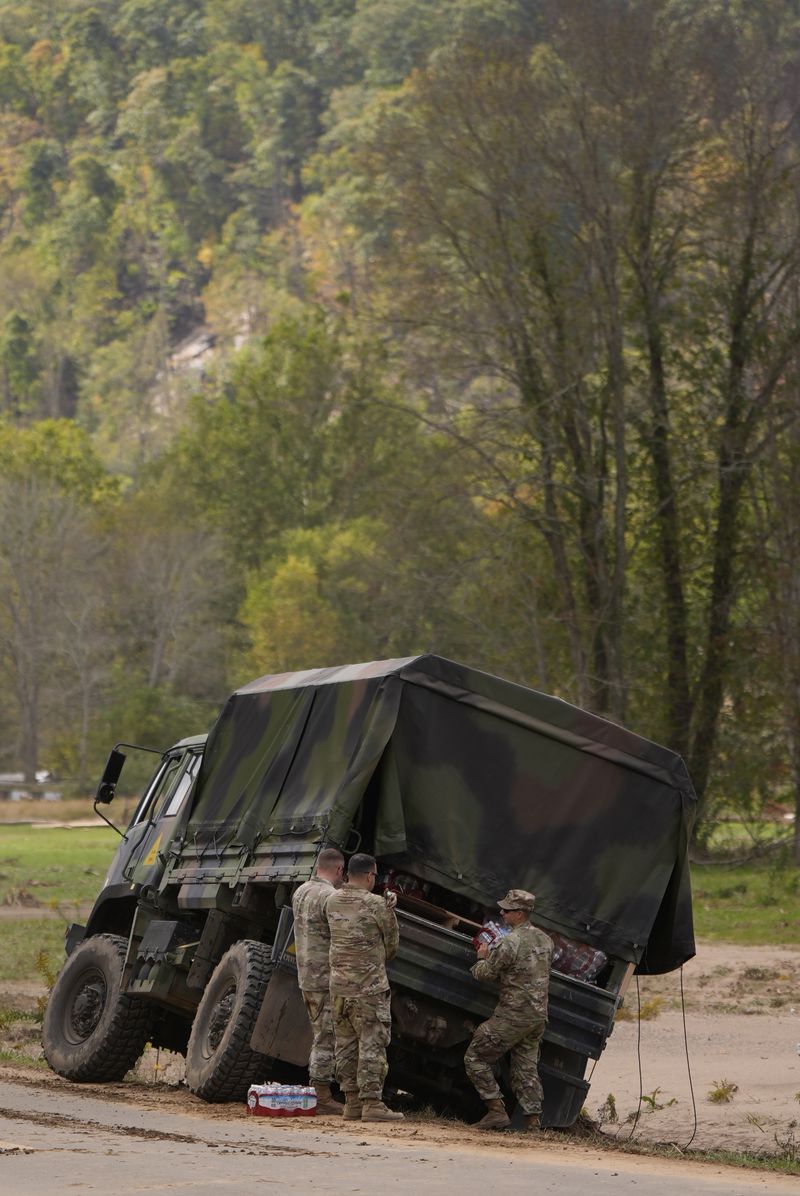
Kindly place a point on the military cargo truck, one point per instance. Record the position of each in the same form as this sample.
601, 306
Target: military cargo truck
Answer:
463, 786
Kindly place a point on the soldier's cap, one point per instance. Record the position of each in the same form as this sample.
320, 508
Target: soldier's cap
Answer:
518, 899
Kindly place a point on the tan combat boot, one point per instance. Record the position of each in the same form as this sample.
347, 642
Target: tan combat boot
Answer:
495, 1118
352, 1107
376, 1110
531, 1122
326, 1105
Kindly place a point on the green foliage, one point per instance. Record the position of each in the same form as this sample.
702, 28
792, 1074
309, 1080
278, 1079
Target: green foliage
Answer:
350, 328
19, 366
59, 452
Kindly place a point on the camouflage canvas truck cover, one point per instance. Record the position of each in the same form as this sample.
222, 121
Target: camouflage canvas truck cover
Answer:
462, 785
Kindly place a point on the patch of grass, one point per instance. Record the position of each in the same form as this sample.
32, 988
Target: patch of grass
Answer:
723, 1092
54, 867
9, 1016
783, 1162
23, 1059
752, 903
648, 1010
20, 1036
784, 1159
758, 974
70, 809
23, 941
740, 838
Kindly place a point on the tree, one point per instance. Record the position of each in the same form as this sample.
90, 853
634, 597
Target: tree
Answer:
501, 286
48, 482
19, 365
776, 502
594, 237
171, 593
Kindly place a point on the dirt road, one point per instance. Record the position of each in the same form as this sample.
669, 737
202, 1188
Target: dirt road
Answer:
57, 1137
742, 1025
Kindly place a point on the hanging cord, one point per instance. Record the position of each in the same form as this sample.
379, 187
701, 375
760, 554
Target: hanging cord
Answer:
638, 1058
688, 1066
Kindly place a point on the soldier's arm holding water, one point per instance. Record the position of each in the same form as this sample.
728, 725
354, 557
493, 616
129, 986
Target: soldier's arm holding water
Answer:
496, 961
387, 922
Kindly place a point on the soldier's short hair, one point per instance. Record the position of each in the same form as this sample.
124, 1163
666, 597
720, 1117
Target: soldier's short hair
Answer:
360, 864
329, 858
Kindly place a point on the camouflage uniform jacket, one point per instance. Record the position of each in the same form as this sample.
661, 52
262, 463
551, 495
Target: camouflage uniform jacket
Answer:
312, 938
521, 964
364, 936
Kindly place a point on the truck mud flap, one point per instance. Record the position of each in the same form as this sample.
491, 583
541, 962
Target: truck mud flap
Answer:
282, 1030
564, 1096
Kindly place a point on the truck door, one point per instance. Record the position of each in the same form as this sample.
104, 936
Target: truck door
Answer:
155, 820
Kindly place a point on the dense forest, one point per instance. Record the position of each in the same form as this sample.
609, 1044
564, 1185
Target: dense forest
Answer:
342, 329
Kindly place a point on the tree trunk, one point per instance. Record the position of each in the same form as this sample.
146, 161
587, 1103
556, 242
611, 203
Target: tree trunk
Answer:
678, 700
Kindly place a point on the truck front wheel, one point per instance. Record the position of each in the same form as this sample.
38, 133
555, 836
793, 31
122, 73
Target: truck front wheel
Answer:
220, 1066
92, 1031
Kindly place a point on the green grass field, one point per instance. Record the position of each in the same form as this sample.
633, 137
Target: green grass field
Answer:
747, 903
31, 948
46, 869
54, 867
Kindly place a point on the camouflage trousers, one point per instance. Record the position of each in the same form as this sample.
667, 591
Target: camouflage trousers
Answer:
363, 1028
490, 1042
321, 1060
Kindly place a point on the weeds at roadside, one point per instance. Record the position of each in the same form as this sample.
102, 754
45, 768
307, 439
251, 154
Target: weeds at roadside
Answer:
607, 1113
650, 1099
44, 969
723, 1092
648, 1010
19, 1036
9, 1016
783, 1161
757, 974
788, 1146
19, 1057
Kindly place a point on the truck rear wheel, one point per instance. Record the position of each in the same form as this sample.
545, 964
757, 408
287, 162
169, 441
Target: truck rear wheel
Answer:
220, 1066
92, 1032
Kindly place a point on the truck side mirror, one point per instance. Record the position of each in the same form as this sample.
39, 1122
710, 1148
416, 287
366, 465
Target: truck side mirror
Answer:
111, 773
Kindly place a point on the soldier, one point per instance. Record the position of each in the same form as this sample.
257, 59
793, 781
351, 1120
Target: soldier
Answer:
521, 963
364, 935
312, 944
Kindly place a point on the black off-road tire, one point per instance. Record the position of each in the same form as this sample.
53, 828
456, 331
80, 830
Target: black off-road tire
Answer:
93, 1033
220, 1066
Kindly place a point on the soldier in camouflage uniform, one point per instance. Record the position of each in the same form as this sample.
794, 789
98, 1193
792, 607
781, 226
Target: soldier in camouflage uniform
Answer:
364, 934
521, 964
312, 944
